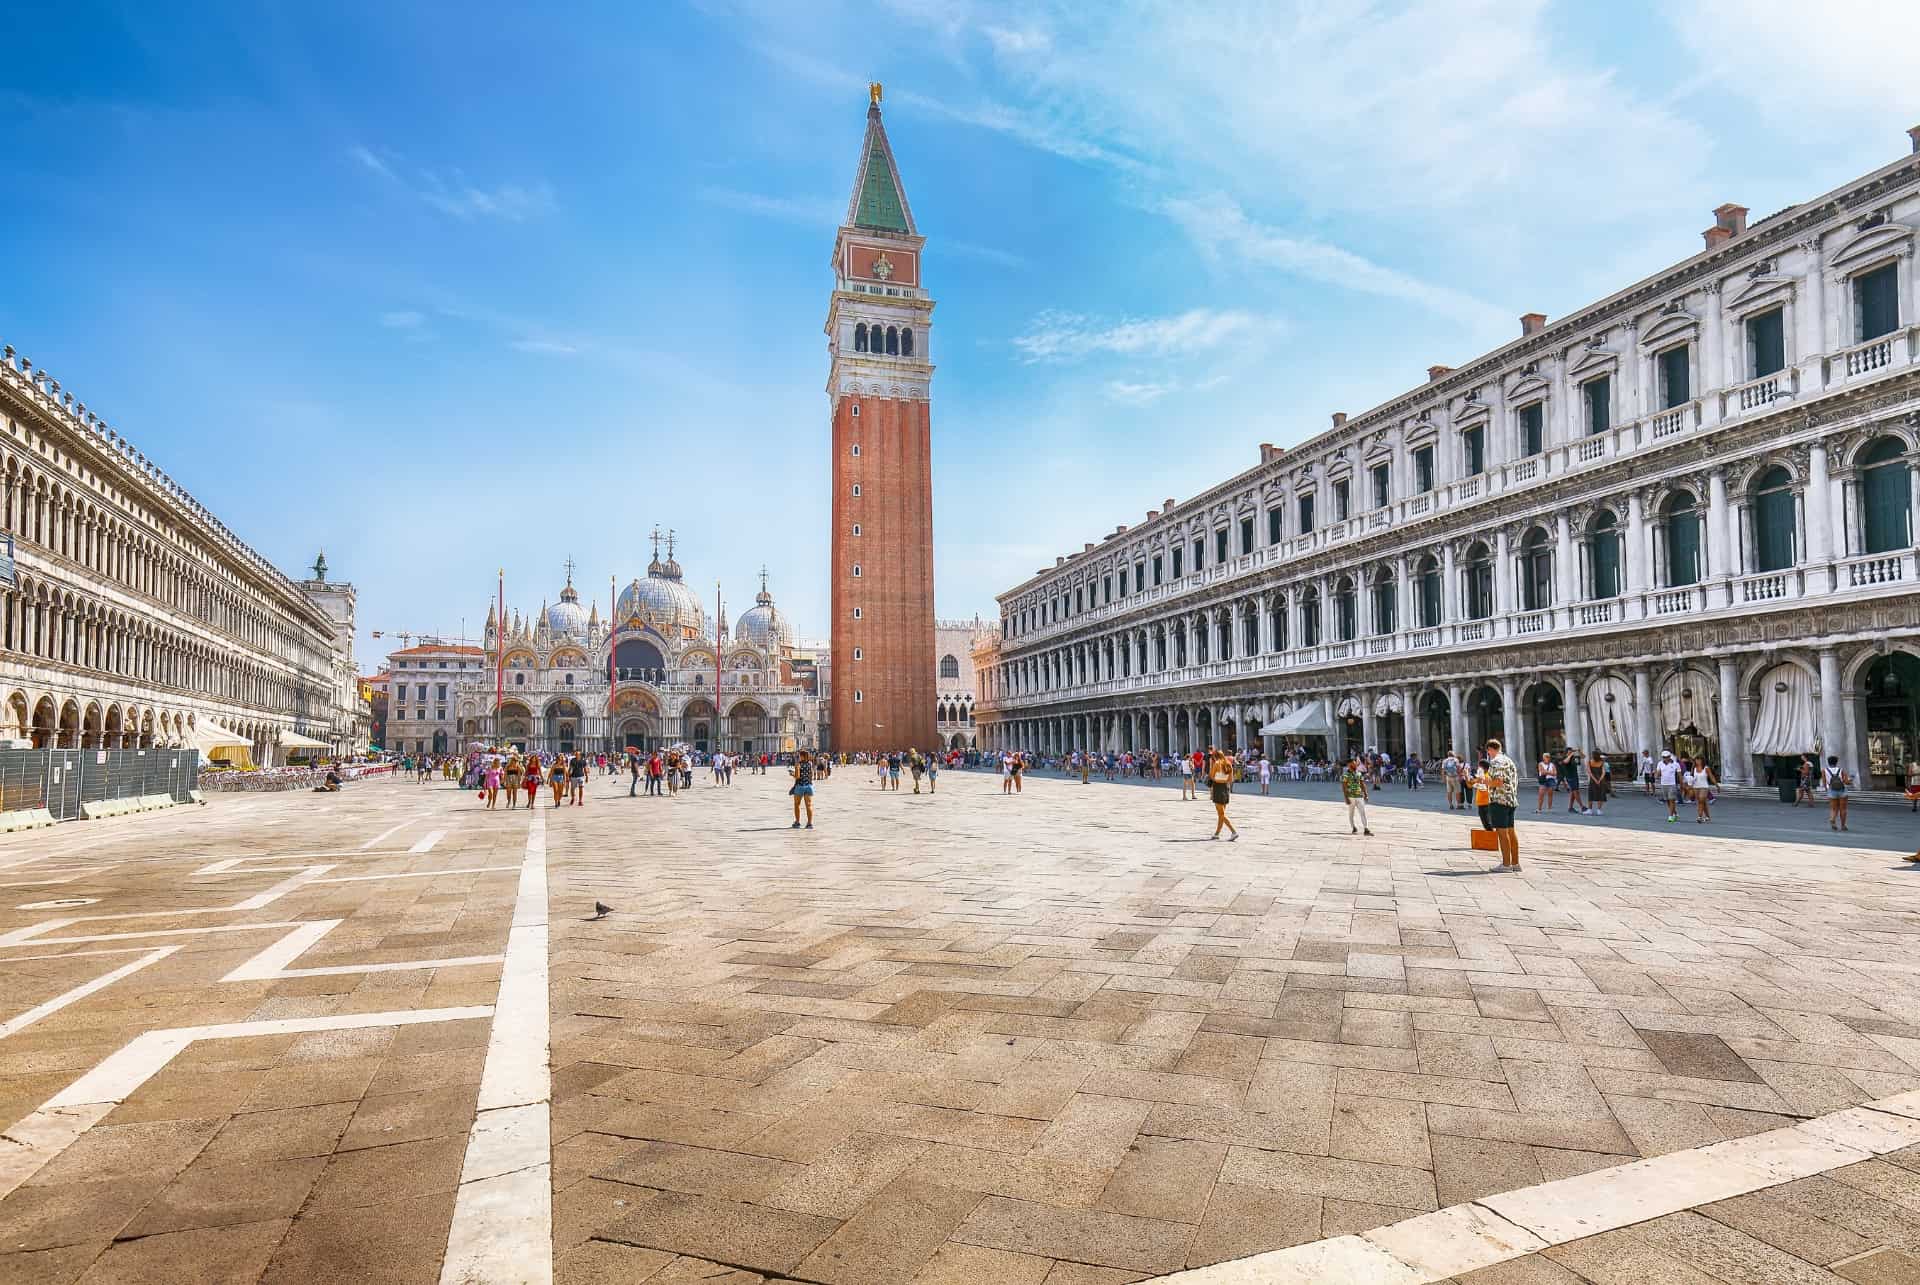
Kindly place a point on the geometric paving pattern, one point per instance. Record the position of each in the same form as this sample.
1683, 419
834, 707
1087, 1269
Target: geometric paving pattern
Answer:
1056, 1038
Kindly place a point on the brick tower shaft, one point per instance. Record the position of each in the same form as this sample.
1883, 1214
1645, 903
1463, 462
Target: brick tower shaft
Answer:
879, 334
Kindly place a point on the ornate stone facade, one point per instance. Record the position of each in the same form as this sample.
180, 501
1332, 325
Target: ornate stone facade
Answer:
646, 677
954, 642
1683, 517
136, 618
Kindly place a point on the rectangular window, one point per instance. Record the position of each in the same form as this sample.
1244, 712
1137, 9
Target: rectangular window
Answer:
1199, 554
856, 450
1423, 469
1106, 589
1533, 429
1178, 554
1219, 547
1079, 601
1473, 451
1876, 303
858, 696
857, 653
1598, 394
440, 715
1246, 535
856, 613
1674, 389
1140, 576
856, 488
1766, 344
856, 528
1156, 569
1306, 514
1342, 503
1273, 526
440, 692
1382, 479
856, 571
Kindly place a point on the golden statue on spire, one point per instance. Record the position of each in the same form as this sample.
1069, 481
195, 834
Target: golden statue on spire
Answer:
873, 93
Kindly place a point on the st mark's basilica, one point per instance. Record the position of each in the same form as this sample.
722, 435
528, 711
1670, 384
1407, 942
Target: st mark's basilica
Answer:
662, 669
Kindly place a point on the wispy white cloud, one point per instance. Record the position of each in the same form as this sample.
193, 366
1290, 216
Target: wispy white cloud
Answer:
1855, 64
1055, 336
549, 347
1018, 42
795, 209
983, 253
1218, 226
452, 193
404, 320
1140, 392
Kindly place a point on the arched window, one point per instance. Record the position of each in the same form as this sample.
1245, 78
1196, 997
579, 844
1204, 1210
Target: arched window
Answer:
1280, 625
1682, 520
860, 337
1250, 633
1310, 618
1773, 520
1429, 592
1603, 555
1345, 607
1886, 520
906, 341
1384, 604
1477, 579
1536, 571
893, 342
949, 666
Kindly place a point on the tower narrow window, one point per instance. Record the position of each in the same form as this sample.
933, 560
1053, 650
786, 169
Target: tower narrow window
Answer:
860, 337
893, 342
906, 341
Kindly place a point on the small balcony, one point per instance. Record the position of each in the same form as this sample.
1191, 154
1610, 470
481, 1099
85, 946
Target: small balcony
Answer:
1674, 421
1865, 359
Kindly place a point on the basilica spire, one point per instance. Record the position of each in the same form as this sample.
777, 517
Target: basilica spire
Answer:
879, 202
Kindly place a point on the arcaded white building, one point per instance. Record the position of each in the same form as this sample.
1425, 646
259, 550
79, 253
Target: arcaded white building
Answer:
133, 618
1680, 517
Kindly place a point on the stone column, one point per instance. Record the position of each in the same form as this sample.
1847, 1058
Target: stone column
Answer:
1566, 566
1719, 535
1514, 735
1449, 587
1635, 554
1409, 719
1646, 726
1403, 610
1457, 718
1736, 766
1819, 516
1369, 725
1574, 712
1833, 734
1502, 579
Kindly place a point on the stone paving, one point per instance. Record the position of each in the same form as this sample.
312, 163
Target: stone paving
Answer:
1059, 1038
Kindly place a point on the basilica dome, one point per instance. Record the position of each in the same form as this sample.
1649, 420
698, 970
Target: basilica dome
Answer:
663, 601
764, 625
567, 616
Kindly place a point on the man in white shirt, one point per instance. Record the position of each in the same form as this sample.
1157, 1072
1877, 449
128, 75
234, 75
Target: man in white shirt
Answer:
1450, 771
1667, 777
1646, 770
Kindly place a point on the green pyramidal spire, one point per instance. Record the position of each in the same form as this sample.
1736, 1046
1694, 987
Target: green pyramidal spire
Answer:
878, 201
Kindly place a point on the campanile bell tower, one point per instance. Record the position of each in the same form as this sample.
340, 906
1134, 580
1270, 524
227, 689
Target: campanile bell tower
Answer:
879, 334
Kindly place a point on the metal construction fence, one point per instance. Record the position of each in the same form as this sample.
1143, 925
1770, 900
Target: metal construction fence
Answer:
61, 780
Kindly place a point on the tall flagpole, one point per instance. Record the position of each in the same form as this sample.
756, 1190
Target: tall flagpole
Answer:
718, 703
500, 658
613, 601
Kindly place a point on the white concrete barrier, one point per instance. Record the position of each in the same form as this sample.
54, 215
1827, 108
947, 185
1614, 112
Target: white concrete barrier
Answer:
24, 819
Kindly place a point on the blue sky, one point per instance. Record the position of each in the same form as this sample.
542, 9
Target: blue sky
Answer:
447, 287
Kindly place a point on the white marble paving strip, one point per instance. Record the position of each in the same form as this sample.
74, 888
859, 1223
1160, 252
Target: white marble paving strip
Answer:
426, 841
28, 1146
1495, 1229
81, 991
418, 874
149, 932
272, 963
391, 830
502, 1228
